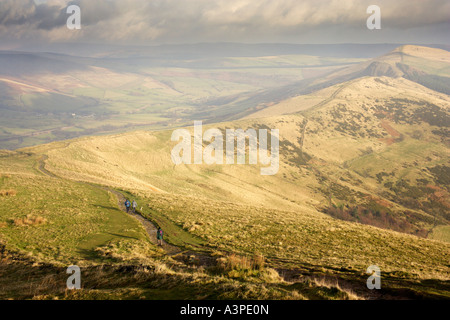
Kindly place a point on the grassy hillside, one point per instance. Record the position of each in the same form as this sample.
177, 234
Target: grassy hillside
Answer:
66, 222
363, 180
48, 223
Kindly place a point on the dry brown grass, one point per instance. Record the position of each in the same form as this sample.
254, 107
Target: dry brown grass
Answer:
236, 266
6, 193
236, 262
49, 283
29, 221
330, 284
258, 262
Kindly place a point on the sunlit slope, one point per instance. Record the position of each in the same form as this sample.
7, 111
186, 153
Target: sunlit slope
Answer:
294, 238
141, 161
384, 144
375, 144
391, 135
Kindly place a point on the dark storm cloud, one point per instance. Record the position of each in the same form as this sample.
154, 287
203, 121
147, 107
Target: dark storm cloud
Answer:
222, 20
16, 12
25, 14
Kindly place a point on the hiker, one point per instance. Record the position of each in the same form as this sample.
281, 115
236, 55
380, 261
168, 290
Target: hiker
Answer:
134, 205
159, 236
127, 205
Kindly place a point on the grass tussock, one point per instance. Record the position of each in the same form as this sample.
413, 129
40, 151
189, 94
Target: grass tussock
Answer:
244, 267
8, 193
131, 251
29, 221
332, 290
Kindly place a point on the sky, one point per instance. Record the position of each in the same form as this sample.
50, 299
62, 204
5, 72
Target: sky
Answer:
152, 22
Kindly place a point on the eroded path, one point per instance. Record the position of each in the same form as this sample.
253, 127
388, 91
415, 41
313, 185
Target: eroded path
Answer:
149, 227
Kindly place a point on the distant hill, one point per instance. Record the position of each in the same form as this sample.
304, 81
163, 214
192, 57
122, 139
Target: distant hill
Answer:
214, 50
19, 64
429, 67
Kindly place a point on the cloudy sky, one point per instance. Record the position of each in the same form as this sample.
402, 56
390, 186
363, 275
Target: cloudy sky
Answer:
148, 22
